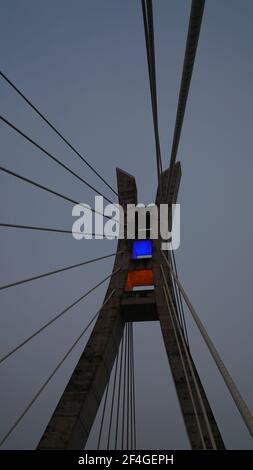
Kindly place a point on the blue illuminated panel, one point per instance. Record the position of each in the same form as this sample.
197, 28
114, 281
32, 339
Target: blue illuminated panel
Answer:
142, 249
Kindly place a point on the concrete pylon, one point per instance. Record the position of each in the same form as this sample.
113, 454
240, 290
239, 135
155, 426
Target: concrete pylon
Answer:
71, 422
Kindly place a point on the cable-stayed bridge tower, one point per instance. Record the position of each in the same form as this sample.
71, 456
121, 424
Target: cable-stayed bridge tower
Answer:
128, 300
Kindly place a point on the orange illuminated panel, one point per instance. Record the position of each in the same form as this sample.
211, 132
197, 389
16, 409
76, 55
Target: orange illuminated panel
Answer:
141, 279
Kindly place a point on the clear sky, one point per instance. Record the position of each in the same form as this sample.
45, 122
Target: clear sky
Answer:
83, 64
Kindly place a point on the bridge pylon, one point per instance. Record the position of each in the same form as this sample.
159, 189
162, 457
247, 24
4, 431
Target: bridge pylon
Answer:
72, 420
